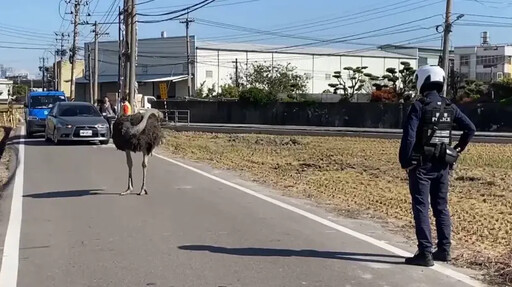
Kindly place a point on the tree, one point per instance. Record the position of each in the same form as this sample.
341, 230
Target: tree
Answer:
257, 96
19, 90
473, 90
455, 84
402, 81
228, 91
356, 81
200, 90
274, 79
502, 89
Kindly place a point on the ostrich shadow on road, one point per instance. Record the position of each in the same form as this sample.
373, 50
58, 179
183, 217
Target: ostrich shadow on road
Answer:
278, 252
69, 193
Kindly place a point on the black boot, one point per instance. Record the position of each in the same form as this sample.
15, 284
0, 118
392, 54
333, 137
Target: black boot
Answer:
442, 255
421, 258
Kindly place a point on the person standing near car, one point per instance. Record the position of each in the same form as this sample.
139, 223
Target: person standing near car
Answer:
126, 108
427, 156
107, 111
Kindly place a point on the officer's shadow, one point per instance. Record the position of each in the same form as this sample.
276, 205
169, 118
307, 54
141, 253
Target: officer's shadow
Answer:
273, 252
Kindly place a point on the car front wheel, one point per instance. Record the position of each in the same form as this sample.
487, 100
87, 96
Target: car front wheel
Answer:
46, 137
55, 141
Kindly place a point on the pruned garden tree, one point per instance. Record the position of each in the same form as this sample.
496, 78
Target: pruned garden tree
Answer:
401, 81
355, 81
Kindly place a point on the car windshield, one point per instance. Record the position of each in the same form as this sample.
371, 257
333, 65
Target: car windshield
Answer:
78, 111
44, 102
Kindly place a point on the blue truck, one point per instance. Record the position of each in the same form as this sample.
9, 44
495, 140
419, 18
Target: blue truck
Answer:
38, 105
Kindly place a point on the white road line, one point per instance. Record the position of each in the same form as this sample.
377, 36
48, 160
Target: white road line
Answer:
10, 258
444, 270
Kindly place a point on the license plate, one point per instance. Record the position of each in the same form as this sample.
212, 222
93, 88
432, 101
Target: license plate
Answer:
85, 133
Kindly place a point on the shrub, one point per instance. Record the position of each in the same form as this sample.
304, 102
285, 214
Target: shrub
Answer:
384, 95
257, 96
229, 92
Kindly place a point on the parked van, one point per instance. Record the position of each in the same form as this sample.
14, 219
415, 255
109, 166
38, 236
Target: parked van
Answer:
38, 105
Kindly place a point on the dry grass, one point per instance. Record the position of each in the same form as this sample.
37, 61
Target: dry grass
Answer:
4, 162
363, 175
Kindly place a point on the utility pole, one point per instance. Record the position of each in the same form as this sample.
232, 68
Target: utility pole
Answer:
89, 71
446, 44
96, 62
126, 48
44, 74
133, 52
236, 73
187, 22
120, 76
78, 4
61, 53
55, 77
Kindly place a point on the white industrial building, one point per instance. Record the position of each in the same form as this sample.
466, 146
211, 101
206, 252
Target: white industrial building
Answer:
215, 62
164, 60
485, 62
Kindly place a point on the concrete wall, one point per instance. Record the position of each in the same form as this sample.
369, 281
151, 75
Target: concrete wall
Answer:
214, 67
486, 117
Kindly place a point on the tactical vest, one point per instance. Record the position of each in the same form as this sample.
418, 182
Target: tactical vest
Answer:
429, 115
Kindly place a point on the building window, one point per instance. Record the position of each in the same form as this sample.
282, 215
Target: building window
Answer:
209, 74
464, 60
490, 60
328, 77
483, 77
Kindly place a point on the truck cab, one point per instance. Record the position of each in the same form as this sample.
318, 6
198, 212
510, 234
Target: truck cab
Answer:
37, 107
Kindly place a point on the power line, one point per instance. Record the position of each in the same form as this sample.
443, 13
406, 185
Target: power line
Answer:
182, 14
21, 48
175, 11
348, 37
327, 24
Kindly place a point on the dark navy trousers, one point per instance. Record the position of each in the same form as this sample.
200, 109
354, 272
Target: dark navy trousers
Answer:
431, 180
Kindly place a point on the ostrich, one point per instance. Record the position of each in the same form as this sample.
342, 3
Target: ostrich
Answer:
137, 133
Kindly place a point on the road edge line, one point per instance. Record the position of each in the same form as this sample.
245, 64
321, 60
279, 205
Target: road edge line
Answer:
10, 256
444, 270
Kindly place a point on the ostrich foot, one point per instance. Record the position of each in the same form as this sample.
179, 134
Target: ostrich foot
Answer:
128, 191
143, 191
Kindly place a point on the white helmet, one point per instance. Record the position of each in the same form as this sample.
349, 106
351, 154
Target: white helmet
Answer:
431, 77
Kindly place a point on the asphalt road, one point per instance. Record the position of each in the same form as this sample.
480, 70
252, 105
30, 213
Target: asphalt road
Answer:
191, 230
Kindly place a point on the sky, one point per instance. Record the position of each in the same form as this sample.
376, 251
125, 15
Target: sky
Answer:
27, 27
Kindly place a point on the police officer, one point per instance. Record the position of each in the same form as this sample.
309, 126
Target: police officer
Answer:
426, 155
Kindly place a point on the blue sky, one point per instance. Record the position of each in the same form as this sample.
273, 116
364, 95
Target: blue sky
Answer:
32, 23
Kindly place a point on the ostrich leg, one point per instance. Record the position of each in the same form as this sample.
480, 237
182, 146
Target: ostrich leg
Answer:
143, 189
129, 162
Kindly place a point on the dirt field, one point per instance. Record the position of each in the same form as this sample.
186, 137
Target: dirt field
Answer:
362, 177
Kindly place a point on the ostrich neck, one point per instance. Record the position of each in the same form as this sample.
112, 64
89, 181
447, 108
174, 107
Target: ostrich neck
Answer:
138, 128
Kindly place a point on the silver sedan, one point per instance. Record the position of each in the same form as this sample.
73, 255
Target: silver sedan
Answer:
76, 121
